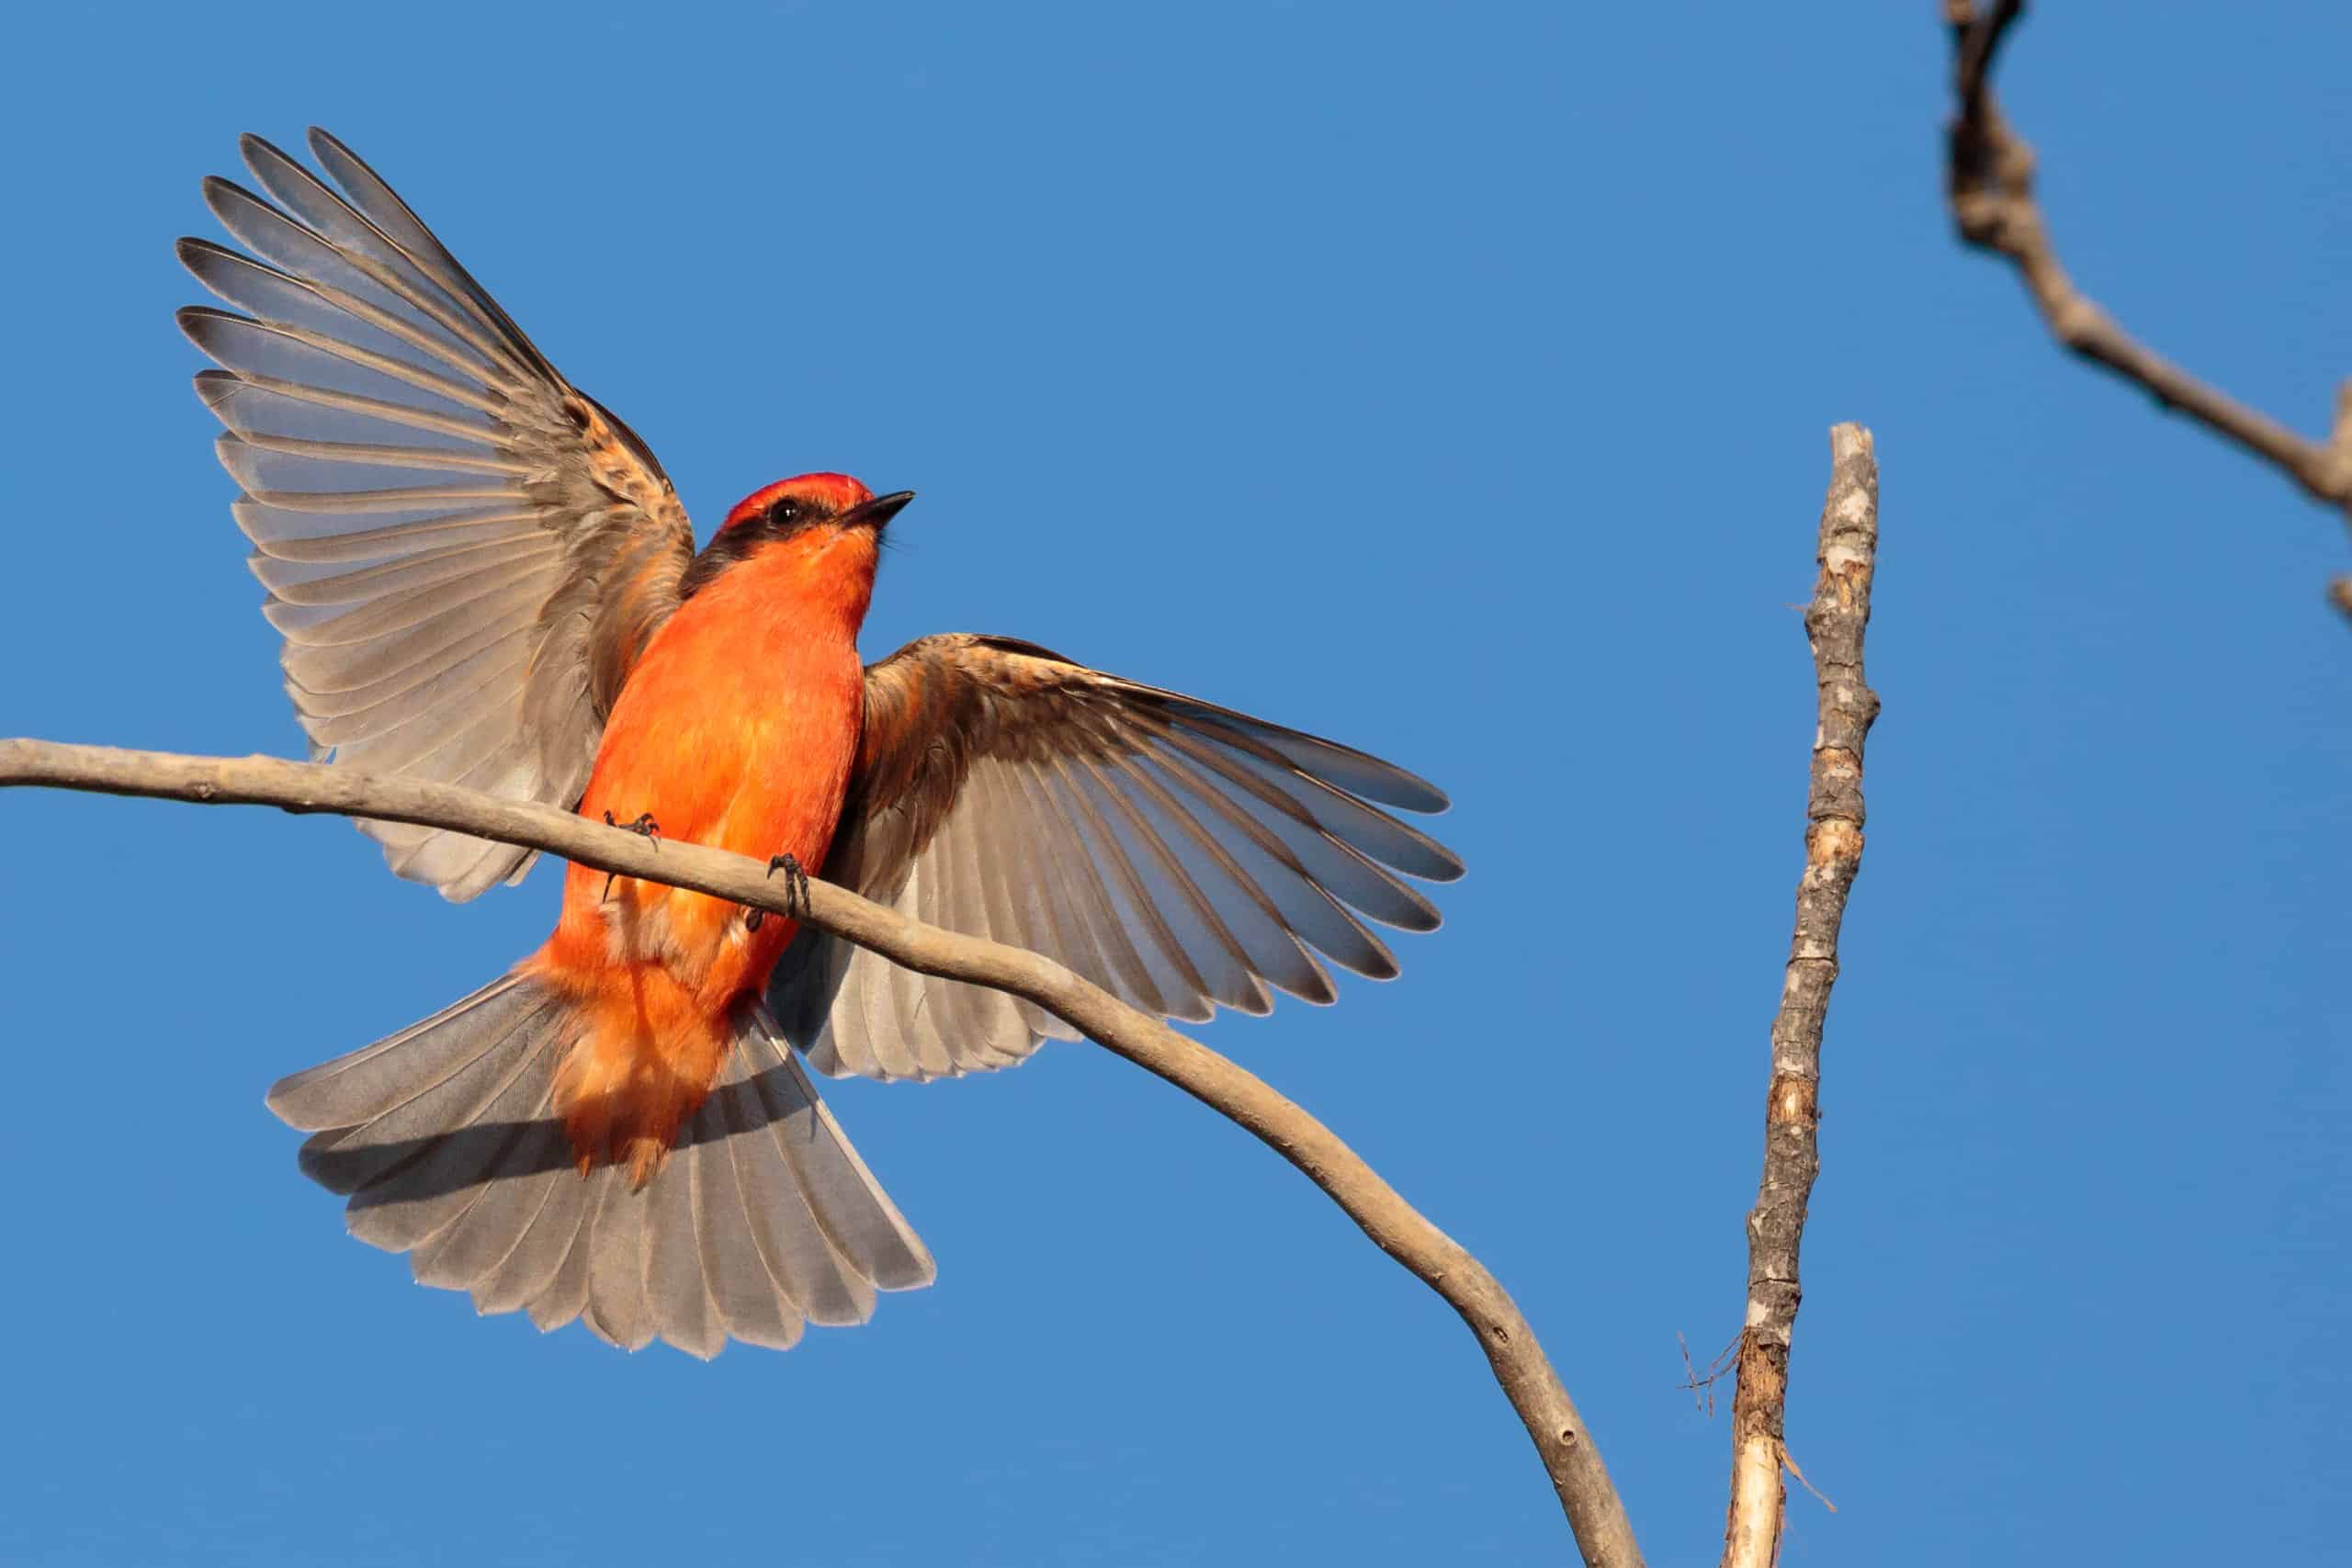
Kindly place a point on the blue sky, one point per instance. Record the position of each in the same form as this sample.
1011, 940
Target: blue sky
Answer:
1454, 385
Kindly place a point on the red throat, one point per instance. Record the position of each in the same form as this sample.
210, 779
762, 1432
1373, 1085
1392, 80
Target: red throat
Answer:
829, 492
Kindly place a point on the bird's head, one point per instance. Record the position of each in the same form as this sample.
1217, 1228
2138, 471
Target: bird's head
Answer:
821, 528
826, 504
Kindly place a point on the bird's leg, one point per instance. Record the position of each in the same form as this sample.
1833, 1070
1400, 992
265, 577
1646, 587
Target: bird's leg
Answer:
644, 827
796, 892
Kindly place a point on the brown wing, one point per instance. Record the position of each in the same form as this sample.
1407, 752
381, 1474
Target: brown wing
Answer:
464, 553
1176, 853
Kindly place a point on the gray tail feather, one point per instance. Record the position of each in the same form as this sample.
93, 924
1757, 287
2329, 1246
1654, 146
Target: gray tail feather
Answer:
446, 1139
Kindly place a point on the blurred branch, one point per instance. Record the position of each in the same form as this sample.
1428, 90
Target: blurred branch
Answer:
1568, 1450
1990, 180
1833, 624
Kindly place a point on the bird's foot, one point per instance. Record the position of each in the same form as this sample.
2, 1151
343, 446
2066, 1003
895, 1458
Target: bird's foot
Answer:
796, 892
644, 827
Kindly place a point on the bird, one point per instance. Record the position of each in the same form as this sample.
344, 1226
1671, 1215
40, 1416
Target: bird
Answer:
483, 577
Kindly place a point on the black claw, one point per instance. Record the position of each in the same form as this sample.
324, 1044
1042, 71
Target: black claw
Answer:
796, 892
795, 884
645, 826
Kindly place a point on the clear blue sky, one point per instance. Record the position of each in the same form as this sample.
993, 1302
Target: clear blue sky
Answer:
1454, 385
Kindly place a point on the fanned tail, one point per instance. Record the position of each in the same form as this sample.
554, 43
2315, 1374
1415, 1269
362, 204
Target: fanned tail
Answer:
446, 1139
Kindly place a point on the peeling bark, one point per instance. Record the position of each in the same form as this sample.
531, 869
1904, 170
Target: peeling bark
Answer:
1835, 623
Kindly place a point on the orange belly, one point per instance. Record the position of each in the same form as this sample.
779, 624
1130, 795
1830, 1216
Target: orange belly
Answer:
736, 729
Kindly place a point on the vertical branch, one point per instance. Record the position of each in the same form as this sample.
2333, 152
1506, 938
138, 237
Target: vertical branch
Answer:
1833, 624
2339, 591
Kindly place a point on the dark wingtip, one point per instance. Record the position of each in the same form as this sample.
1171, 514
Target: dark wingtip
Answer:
1323, 993
1421, 917
188, 248
1431, 802
250, 144
1406, 790
213, 384
217, 189
191, 321
327, 147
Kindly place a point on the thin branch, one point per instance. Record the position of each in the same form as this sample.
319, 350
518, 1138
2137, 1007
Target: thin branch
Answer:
1702, 1389
1833, 624
1989, 181
1568, 1452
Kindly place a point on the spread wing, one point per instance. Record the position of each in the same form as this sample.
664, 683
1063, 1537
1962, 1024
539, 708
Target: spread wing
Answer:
464, 553
1176, 853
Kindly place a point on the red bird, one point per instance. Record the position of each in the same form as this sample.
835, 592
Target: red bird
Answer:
485, 578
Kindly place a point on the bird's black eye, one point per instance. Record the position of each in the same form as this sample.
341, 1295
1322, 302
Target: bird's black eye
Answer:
789, 513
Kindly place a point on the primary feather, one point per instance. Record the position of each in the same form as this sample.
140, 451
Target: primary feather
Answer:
1178, 854
465, 553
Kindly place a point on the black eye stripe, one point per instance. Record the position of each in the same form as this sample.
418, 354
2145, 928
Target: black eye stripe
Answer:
780, 519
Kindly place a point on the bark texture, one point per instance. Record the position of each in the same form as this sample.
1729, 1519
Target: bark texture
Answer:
1990, 182
1568, 1452
1834, 623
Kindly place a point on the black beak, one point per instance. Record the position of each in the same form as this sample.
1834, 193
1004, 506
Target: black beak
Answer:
877, 513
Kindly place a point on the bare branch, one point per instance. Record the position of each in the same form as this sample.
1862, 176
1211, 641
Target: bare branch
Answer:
1834, 623
1566, 1449
1989, 181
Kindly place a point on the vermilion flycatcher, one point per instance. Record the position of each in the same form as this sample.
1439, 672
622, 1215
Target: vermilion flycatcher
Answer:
484, 578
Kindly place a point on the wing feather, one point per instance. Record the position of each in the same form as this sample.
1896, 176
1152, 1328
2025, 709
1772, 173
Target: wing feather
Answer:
1179, 854
1119, 968
464, 553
